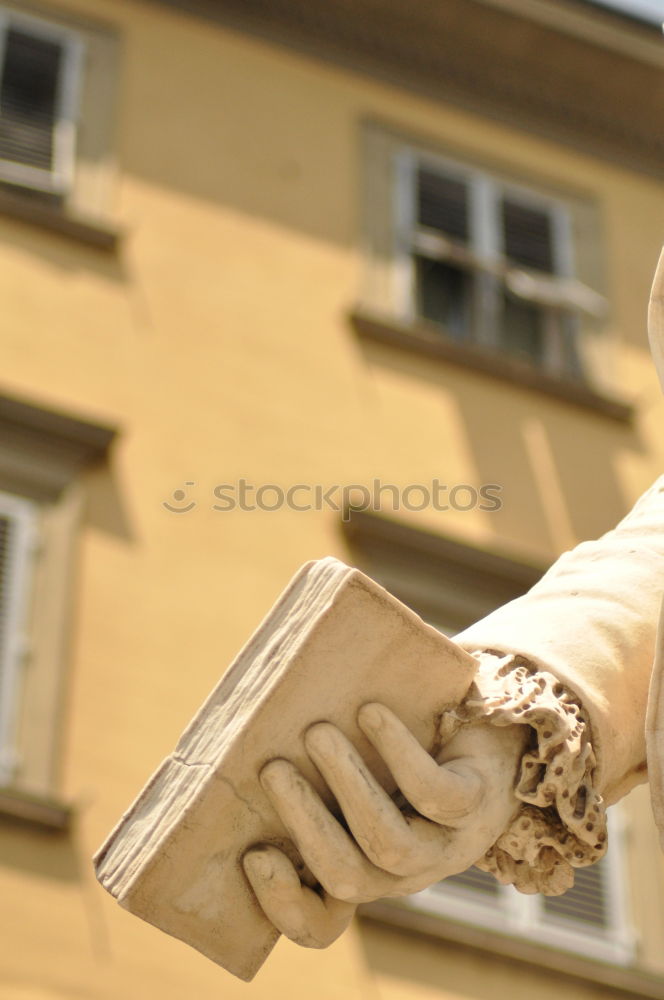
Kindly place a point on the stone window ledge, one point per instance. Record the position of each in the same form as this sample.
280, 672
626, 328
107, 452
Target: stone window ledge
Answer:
424, 339
37, 212
37, 811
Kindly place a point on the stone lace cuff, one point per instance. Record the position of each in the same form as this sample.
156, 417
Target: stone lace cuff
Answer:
561, 824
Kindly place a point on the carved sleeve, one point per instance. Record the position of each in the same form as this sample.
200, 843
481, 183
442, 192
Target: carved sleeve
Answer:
561, 824
575, 658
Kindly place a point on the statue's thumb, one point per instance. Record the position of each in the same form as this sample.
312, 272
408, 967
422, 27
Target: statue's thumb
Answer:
656, 319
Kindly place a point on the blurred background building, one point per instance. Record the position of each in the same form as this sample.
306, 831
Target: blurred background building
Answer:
392, 256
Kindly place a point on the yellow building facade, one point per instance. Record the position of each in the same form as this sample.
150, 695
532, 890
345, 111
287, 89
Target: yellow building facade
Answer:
278, 289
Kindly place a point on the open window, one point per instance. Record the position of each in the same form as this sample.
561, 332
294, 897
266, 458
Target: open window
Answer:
482, 265
489, 262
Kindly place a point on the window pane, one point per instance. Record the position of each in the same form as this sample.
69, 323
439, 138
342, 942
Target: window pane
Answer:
522, 333
28, 99
585, 901
442, 203
443, 295
528, 236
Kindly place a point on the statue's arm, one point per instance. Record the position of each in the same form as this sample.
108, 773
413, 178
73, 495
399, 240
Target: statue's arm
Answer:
554, 721
591, 622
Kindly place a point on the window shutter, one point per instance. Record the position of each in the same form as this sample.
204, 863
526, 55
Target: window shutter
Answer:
528, 236
442, 204
589, 919
17, 523
585, 903
29, 97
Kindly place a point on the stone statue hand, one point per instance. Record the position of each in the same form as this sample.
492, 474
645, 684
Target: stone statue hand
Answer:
455, 810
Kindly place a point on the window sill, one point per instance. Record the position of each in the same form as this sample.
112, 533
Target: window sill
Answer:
36, 811
77, 227
424, 339
627, 982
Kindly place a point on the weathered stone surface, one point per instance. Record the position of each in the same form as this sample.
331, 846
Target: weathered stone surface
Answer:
333, 641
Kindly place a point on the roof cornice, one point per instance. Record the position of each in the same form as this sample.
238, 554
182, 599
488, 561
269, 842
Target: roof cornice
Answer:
557, 68
607, 29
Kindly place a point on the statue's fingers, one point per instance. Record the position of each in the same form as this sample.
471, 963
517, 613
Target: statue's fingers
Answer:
327, 850
379, 827
445, 793
309, 919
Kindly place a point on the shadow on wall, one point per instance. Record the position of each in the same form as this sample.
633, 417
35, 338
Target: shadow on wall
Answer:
44, 854
558, 469
274, 152
62, 253
59, 858
105, 507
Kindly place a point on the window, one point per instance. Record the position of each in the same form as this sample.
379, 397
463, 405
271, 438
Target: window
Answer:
477, 264
40, 72
58, 79
18, 519
42, 464
489, 262
589, 919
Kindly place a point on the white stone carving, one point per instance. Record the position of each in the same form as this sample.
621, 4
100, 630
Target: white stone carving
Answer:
334, 640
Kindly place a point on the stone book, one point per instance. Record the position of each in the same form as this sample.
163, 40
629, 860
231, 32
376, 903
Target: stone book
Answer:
334, 641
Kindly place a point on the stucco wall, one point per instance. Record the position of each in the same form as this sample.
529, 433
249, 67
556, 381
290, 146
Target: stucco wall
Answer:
218, 339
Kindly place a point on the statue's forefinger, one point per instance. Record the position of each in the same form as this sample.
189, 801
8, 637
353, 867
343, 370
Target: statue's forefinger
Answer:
444, 794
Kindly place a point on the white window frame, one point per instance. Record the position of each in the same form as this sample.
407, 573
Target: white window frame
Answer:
59, 179
485, 255
23, 515
511, 912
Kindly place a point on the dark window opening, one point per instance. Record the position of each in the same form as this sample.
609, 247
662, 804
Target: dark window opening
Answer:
29, 99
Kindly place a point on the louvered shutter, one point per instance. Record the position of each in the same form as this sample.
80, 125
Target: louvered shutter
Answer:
588, 919
442, 290
29, 87
17, 533
528, 242
585, 904
40, 66
442, 204
528, 236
